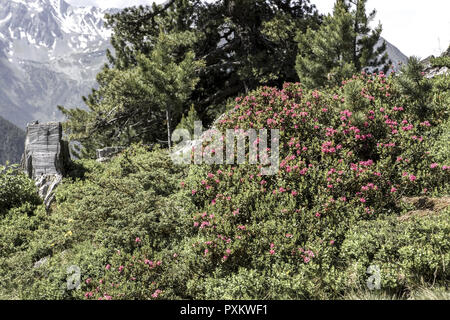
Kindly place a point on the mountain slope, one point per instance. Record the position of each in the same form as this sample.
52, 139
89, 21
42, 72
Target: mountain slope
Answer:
50, 53
395, 55
12, 141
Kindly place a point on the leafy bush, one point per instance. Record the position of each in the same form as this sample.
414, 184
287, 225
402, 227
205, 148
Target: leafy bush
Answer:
15, 189
439, 62
141, 227
133, 196
408, 254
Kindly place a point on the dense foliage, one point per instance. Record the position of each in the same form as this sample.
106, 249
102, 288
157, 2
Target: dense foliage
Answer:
137, 104
343, 45
348, 210
141, 227
218, 51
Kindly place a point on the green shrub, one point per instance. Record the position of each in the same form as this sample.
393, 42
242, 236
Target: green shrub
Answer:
132, 197
348, 155
408, 253
440, 62
15, 189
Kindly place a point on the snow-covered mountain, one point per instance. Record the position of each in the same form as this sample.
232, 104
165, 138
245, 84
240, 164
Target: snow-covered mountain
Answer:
50, 53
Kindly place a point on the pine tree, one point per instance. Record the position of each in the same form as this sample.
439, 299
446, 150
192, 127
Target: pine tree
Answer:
245, 43
416, 88
138, 104
188, 122
344, 44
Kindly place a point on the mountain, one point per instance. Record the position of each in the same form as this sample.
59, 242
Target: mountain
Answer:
50, 53
12, 141
395, 55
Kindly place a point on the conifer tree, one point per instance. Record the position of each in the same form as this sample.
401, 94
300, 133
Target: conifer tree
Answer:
139, 104
244, 44
188, 122
344, 44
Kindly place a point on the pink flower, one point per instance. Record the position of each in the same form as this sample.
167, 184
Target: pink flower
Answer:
138, 239
412, 177
156, 293
363, 200
108, 266
121, 268
150, 263
194, 192
393, 189
434, 165
272, 252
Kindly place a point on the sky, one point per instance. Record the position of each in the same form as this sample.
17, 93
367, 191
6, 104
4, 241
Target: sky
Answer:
416, 27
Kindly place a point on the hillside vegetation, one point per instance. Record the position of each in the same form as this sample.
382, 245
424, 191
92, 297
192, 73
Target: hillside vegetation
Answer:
141, 227
358, 207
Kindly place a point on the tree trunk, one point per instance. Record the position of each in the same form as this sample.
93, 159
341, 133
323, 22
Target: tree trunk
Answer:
169, 141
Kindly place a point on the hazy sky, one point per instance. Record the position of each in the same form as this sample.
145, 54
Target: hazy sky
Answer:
416, 27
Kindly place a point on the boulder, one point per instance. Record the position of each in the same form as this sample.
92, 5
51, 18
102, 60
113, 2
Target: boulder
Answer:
46, 157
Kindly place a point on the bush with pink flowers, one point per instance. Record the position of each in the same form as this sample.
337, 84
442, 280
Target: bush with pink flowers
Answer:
141, 227
346, 156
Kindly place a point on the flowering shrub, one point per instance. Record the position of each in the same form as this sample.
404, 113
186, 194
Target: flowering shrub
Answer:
141, 227
345, 156
129, 276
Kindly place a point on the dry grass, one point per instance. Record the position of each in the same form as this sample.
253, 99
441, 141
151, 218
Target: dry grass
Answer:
425, 207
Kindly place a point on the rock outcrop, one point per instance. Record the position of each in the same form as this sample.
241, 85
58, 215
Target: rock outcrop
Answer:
434, 71
46, 157
106, 154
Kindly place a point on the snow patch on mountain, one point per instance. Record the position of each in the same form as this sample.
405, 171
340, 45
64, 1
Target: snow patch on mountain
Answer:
59, 46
